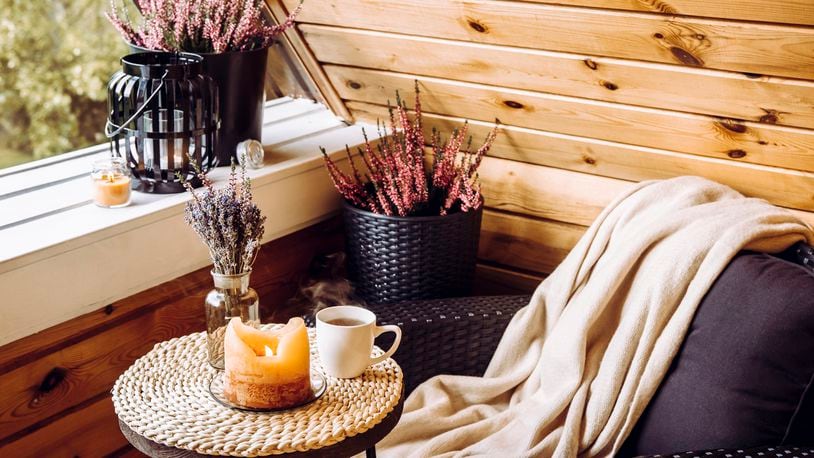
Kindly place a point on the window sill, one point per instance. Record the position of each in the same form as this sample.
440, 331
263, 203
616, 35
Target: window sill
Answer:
61, 256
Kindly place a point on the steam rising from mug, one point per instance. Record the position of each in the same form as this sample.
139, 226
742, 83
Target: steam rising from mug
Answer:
327, 286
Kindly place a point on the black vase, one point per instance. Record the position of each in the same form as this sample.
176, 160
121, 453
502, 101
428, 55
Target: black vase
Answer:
241, 79
240, 76
394, 259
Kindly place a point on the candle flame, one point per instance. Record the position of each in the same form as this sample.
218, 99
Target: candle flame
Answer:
268, 351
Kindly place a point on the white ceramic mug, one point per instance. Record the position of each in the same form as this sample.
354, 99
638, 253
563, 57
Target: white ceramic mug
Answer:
345, 336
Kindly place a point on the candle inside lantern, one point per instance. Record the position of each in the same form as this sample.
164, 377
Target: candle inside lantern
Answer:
166, 149
111, 183
267, 369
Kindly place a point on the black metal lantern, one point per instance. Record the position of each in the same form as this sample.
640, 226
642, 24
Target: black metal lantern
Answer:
162, 114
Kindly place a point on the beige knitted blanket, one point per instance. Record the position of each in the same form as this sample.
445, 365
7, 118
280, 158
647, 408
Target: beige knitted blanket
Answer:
577, 366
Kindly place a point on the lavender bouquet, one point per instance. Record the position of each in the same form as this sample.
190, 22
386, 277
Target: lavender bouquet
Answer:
227, 221
201, 26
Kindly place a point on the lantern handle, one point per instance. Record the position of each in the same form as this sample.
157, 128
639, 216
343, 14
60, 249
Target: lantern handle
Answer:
139, 112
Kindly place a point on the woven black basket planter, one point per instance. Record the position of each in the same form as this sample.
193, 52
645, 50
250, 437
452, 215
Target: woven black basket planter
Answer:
393, 259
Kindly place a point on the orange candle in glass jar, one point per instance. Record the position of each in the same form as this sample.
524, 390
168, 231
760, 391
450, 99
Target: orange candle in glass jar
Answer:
111, 183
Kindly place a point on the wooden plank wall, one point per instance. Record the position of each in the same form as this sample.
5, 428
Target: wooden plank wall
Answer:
593, 96
55, 398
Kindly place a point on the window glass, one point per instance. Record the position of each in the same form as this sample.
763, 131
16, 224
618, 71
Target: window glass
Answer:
55, 59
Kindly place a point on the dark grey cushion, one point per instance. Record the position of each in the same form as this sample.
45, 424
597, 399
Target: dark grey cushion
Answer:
773, 451
743, 377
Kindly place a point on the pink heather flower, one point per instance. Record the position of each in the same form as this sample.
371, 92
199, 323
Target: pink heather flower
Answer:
272, 31
122, 24
445, 166
354, 169
180, 25
399, 181
351, 189
418, 134
381, 199
198, 25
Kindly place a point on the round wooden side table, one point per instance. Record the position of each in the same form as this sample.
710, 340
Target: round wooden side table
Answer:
165, 409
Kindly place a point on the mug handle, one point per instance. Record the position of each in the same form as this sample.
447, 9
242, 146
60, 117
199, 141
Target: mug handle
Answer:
379, 330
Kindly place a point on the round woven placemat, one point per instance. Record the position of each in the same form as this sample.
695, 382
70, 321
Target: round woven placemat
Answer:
164, 397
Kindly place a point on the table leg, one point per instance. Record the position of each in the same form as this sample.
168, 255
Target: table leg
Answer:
371, 452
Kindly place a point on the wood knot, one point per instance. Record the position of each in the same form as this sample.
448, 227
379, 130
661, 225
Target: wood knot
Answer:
477, 26
513, 104
659, 5
762, 142
685, 57
658, 36
700, 37
771, 116
108, 309
590, 64
609, 86
53, 379
354, 85
736, 153
589, 160
732, 126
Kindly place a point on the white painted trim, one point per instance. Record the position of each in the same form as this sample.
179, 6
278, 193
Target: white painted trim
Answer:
61, 256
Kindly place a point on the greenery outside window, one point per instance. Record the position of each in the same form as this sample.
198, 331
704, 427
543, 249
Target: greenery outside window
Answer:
56, 57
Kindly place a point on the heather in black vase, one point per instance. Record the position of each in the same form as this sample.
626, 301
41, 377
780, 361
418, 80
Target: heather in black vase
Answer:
233, 39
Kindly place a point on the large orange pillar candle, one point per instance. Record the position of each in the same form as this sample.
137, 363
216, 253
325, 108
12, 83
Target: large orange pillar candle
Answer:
267, 369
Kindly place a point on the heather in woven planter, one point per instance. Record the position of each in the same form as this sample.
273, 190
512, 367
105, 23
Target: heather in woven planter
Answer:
412, 222
398, 181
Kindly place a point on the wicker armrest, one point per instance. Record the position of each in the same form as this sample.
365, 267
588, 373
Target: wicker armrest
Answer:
447, 336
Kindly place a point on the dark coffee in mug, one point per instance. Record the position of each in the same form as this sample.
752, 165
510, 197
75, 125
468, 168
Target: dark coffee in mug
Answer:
345, 322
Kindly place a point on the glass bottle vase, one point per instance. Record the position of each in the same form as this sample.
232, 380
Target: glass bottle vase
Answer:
231, 298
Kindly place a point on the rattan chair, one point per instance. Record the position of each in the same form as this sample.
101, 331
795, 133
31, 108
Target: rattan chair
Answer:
447, 336
460, 335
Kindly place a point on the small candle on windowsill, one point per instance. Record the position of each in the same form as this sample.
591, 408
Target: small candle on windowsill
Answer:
267, 369
111, 183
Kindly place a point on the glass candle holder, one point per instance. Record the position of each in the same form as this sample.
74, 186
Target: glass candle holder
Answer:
111, 183
166, 148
